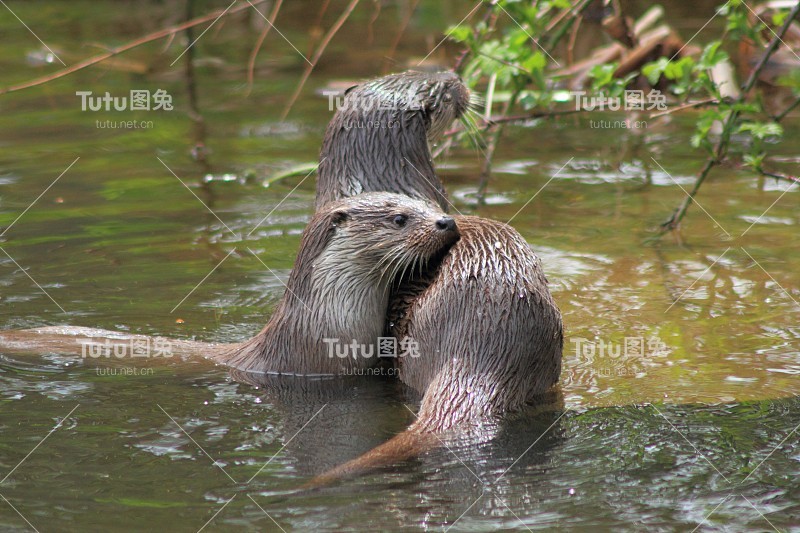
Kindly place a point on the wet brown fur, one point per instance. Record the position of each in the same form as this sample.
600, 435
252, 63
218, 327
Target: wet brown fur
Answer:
489, 332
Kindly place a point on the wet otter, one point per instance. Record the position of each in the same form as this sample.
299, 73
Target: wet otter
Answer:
488, 331
351, 253
487, 306
489, 338
379, 138
489, 334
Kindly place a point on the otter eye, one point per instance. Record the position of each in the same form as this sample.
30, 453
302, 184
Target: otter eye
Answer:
400, 220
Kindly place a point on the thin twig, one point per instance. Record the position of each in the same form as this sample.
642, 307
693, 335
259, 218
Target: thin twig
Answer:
506, 63
312, 43
166, 32
317, 54
489, 21
251, 64
780, 116
389, 57
532, 115
573, 36
575, 10
371, 25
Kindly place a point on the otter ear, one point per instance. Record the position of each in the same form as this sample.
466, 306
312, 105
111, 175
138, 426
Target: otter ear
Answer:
339, 216
317, 236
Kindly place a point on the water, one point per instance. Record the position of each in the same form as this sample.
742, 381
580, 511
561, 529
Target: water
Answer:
700, 424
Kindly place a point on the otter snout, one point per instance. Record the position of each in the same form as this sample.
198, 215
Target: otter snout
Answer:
446, 224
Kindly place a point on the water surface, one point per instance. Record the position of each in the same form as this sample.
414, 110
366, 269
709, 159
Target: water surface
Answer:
696, 422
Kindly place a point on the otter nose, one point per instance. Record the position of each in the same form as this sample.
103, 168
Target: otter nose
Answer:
446, 224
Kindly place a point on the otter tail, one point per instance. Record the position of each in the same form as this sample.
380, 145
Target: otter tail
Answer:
406, 445
95, 343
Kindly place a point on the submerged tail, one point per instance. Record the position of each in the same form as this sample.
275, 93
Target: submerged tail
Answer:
406, 445
431, 430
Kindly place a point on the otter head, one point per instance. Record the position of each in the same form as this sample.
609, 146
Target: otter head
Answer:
381, 137
447, 100
375, 237
441, 97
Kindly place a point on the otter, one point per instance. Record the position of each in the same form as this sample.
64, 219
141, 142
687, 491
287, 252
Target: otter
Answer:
487, 305
351, 253
489, 335
489, 339
488, 331
379, 139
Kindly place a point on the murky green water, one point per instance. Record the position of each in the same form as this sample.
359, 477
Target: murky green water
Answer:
700, 425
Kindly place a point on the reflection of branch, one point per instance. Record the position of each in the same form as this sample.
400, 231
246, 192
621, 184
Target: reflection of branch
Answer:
486, 166
778, 176
721, 147
318, 53
166, 32
251, 64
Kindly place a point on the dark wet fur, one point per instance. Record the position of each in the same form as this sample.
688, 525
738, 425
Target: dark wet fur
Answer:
387, 147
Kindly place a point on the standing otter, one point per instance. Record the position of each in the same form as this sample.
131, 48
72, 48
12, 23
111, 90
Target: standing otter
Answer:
488, 334
488, 331
351, 253
379, 139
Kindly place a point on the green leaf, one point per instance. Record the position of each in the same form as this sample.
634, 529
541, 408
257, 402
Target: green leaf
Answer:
653, 71
712, 54
779, 17
536, 62
459, 34
754, 161
762, 130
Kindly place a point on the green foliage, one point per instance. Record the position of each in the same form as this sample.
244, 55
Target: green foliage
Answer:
514, 42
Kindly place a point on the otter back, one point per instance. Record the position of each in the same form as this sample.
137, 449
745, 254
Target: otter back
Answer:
488, 332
